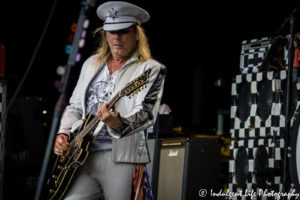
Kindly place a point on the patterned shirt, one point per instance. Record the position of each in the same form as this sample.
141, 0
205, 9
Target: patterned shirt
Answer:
98, 93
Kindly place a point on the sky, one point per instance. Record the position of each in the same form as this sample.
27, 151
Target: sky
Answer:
198, 42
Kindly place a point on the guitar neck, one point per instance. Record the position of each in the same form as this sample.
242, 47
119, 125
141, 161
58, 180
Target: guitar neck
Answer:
114, 100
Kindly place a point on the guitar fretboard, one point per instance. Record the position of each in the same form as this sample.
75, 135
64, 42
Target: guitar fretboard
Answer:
96, 119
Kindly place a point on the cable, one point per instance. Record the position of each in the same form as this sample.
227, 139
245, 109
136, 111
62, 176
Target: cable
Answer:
31, 62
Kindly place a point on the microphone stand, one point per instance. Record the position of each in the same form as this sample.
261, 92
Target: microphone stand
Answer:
288, 103
291, 22
60, 105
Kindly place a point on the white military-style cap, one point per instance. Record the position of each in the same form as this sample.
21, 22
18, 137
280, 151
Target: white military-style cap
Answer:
118, 15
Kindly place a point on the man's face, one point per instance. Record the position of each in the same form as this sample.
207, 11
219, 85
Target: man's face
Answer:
122, 43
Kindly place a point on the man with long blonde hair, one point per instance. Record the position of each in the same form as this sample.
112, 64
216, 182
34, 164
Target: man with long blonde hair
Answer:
142, 46
120, 137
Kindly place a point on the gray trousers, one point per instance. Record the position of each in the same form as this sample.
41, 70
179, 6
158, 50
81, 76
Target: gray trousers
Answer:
100, 178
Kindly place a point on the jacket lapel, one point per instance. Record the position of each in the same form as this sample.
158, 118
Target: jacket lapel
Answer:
91, 74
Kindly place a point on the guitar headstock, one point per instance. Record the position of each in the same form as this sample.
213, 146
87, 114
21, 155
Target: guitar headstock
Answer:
136, 85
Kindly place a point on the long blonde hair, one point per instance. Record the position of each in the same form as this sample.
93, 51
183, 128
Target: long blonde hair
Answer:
103, 52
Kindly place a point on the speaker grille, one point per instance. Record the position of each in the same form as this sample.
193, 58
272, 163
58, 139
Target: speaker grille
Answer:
171, 165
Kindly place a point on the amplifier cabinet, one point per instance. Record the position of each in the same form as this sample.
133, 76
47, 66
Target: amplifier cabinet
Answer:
186, 166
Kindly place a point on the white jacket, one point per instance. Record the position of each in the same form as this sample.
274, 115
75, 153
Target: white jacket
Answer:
137, 113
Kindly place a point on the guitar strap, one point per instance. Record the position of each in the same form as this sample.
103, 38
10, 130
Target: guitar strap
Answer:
124, 77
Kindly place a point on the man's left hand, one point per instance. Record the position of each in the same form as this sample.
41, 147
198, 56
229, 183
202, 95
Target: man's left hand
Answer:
110, 117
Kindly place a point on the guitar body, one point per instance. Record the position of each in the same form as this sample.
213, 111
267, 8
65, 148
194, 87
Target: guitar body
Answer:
66, 166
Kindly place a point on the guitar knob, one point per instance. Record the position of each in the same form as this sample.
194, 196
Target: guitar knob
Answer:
62, 158
52, 191
54, 176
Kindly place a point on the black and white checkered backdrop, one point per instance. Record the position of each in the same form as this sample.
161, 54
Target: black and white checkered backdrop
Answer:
258, 125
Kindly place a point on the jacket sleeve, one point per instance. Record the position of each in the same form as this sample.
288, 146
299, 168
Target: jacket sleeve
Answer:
73, 111
145, 113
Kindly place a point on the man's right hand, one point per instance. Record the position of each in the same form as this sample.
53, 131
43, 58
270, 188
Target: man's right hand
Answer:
61, 144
